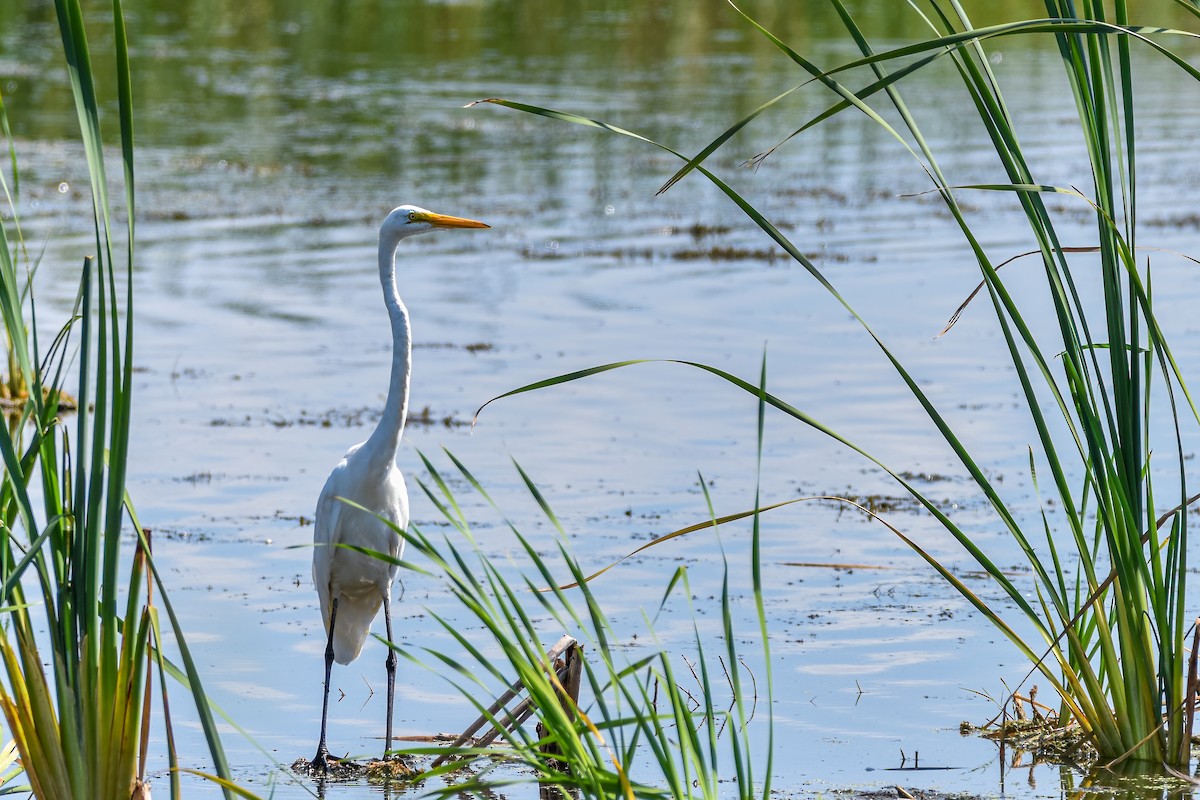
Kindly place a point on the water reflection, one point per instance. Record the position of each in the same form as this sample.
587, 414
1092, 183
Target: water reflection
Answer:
1132, 780
1023, 769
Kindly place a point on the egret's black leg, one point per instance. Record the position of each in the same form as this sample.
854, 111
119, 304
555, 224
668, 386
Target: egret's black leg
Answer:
391, 674
321, 759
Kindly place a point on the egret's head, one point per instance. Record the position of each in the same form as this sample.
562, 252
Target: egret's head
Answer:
409, 220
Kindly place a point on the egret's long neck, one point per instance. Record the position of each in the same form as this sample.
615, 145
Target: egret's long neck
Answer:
386, 439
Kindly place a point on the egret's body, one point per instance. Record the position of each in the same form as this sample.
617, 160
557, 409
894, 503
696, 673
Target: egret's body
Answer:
353, 585
361, 582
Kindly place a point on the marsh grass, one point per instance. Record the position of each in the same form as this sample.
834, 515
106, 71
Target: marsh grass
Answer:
637, 731
75, 581
1107, 617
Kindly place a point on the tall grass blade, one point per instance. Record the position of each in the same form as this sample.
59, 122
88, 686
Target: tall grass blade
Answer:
85, 727
1115, 644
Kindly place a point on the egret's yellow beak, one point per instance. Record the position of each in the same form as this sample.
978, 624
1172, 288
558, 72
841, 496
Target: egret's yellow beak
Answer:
445, 221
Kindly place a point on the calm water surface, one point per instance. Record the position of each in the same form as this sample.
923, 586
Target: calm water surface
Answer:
273, 139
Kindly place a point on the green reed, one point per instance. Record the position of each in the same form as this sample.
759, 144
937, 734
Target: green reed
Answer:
635, 733
1108, 636
82, 727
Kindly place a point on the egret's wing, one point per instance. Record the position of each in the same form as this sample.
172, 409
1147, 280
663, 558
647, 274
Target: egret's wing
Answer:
400, 516
325, 535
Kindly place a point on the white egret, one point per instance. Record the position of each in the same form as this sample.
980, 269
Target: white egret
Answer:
352, 585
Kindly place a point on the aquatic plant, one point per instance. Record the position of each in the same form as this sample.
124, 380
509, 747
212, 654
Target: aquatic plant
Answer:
1108, 620
591, 743
82, 729
635, 731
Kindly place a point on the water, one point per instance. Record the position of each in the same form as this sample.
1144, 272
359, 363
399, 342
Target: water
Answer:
272, 141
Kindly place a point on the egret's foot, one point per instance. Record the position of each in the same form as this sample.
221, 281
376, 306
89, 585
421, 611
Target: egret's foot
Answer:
320, 762
329, 768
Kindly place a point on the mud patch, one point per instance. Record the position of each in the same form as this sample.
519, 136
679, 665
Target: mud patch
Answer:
716, 253
879, 503
338, 770
1180, 221
1043, 738
899, 792
473, 347
341, 418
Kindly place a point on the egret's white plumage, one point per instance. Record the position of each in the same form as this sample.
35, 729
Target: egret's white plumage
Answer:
361, 582
352, 585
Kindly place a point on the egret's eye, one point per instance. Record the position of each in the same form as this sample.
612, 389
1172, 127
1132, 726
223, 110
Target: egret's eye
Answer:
412, 216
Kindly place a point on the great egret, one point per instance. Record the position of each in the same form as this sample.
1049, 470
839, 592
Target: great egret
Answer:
351, 584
